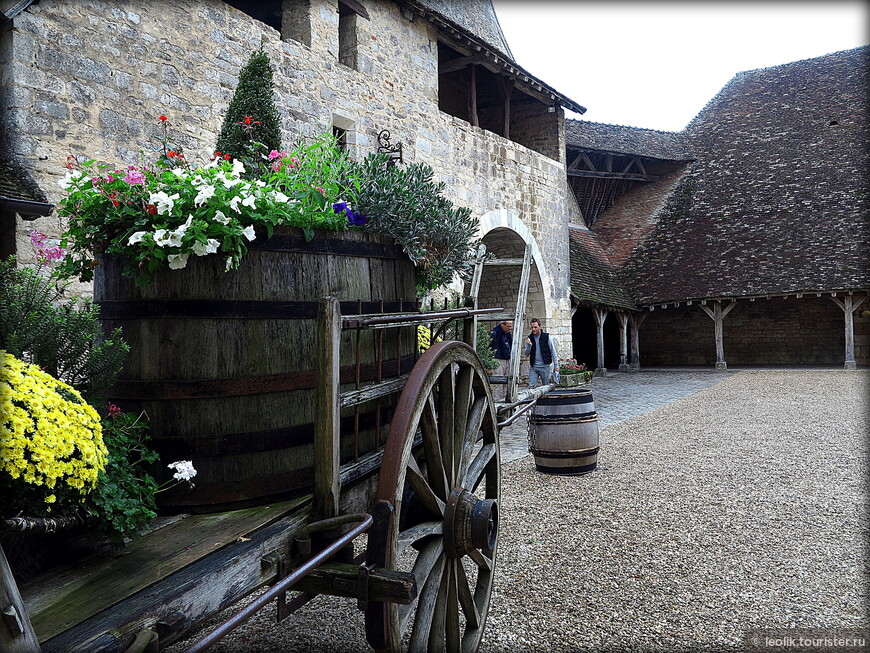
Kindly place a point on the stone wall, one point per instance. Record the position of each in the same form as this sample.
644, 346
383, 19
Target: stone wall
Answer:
809, 331
89, 78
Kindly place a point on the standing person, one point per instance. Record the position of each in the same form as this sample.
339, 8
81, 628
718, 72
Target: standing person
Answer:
502, 342
541, 350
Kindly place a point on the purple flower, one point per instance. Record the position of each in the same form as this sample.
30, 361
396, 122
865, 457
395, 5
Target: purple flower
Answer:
341, 207
356, 219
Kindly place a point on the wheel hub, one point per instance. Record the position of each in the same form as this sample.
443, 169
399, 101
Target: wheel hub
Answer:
469, 523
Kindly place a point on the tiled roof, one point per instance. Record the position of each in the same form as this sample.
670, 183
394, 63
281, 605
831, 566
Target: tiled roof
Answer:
593, 279
671, 146
15, 183
777, 199
474, 16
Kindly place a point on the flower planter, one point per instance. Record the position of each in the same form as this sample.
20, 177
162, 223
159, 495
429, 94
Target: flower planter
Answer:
223, 363
571, 380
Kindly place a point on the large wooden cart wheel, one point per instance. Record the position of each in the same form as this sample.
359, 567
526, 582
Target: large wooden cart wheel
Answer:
436, 511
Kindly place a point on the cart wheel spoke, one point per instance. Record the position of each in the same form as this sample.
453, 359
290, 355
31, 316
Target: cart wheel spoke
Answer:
452, 631
466, 600
426, 604
434, 460
444, 495
425, 493
478, 466
446, 398
481, 560
469, 437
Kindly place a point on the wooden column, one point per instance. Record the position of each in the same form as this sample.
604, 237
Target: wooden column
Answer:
327, 411
600, 315
623, 342
16, 631
718, 315
849, 306
472, 95
635, 319
507, 87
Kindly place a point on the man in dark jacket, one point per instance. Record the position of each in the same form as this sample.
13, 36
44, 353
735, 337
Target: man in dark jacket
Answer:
502, 341
541, 350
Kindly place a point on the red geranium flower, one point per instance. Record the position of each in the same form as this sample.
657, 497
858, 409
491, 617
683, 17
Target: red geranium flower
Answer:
163, 118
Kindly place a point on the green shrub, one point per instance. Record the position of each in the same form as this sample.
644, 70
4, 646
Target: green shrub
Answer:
253, 100
409, 206
62, 336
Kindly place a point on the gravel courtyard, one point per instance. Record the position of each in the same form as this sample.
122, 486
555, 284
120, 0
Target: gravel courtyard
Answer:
738, 507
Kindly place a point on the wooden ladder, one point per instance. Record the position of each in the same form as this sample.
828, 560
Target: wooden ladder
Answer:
519, 315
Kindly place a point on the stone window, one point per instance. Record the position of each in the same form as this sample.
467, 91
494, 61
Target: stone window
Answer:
266, 11
347, 34
344, 133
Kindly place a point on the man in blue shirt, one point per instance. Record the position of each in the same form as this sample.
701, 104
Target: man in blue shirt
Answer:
502, 341
541, 350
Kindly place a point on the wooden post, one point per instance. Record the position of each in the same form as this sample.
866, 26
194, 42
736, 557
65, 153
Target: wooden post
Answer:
519, 320
623, 342
327, 413
636, 320
718, 315
600, 315
849, 306
16, 632
472, 94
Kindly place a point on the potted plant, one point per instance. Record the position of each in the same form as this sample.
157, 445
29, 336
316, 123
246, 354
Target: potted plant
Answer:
572, 373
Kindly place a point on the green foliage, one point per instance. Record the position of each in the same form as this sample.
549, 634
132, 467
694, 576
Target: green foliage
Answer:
64, 337
409, 206
453, 331
123, 500
253, 98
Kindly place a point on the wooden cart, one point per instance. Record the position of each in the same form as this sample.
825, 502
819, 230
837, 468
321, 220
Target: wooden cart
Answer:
428, 498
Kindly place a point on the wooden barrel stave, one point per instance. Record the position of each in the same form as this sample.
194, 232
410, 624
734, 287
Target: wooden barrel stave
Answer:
564, 433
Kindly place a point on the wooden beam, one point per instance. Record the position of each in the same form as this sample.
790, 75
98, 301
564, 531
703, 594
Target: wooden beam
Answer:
16, 631
356, 7
717, 314
460, 63
600, 315
636, 319
611, 175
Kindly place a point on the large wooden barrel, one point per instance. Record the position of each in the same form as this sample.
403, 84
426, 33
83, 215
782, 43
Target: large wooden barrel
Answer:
223, 363
563, 432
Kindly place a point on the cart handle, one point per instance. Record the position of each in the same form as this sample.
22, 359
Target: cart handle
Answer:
284, 584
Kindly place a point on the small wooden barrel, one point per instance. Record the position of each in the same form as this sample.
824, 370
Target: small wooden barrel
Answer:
563, 432
223, 363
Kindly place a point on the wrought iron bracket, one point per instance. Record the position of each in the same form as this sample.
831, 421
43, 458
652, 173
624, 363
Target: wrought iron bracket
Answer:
394, 151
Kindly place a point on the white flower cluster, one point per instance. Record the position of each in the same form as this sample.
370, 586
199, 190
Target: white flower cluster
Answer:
184, 470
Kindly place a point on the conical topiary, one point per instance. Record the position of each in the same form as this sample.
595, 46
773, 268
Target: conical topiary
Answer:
253, 99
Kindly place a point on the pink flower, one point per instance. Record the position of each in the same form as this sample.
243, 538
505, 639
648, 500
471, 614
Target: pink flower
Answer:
37, 238
274, 154
114, 411
135, 177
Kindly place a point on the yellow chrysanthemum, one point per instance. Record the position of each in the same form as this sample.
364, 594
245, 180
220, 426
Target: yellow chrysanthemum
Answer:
50, 436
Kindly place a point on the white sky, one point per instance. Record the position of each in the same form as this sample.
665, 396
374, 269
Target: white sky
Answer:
656, 64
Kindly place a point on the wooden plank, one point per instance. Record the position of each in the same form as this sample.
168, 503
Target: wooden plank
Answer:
59, 601
374, 391
519, 318
16, 632
459, 63
339, 579
595, 174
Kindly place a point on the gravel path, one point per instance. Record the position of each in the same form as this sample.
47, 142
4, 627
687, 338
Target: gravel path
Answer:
739, 506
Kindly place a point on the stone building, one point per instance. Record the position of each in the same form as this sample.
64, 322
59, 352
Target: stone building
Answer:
90, 78
743, 239
636, 236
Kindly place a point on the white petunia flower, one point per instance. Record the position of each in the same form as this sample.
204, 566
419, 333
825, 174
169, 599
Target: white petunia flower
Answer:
260, 183
209, 247
234, 204
281, 197
163, 202
248, 232
184, 470
204, 193
177, 261
229, 264
136, 238
249, 201
220, 217
238, 167
160, 238
69, 178
229, 182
